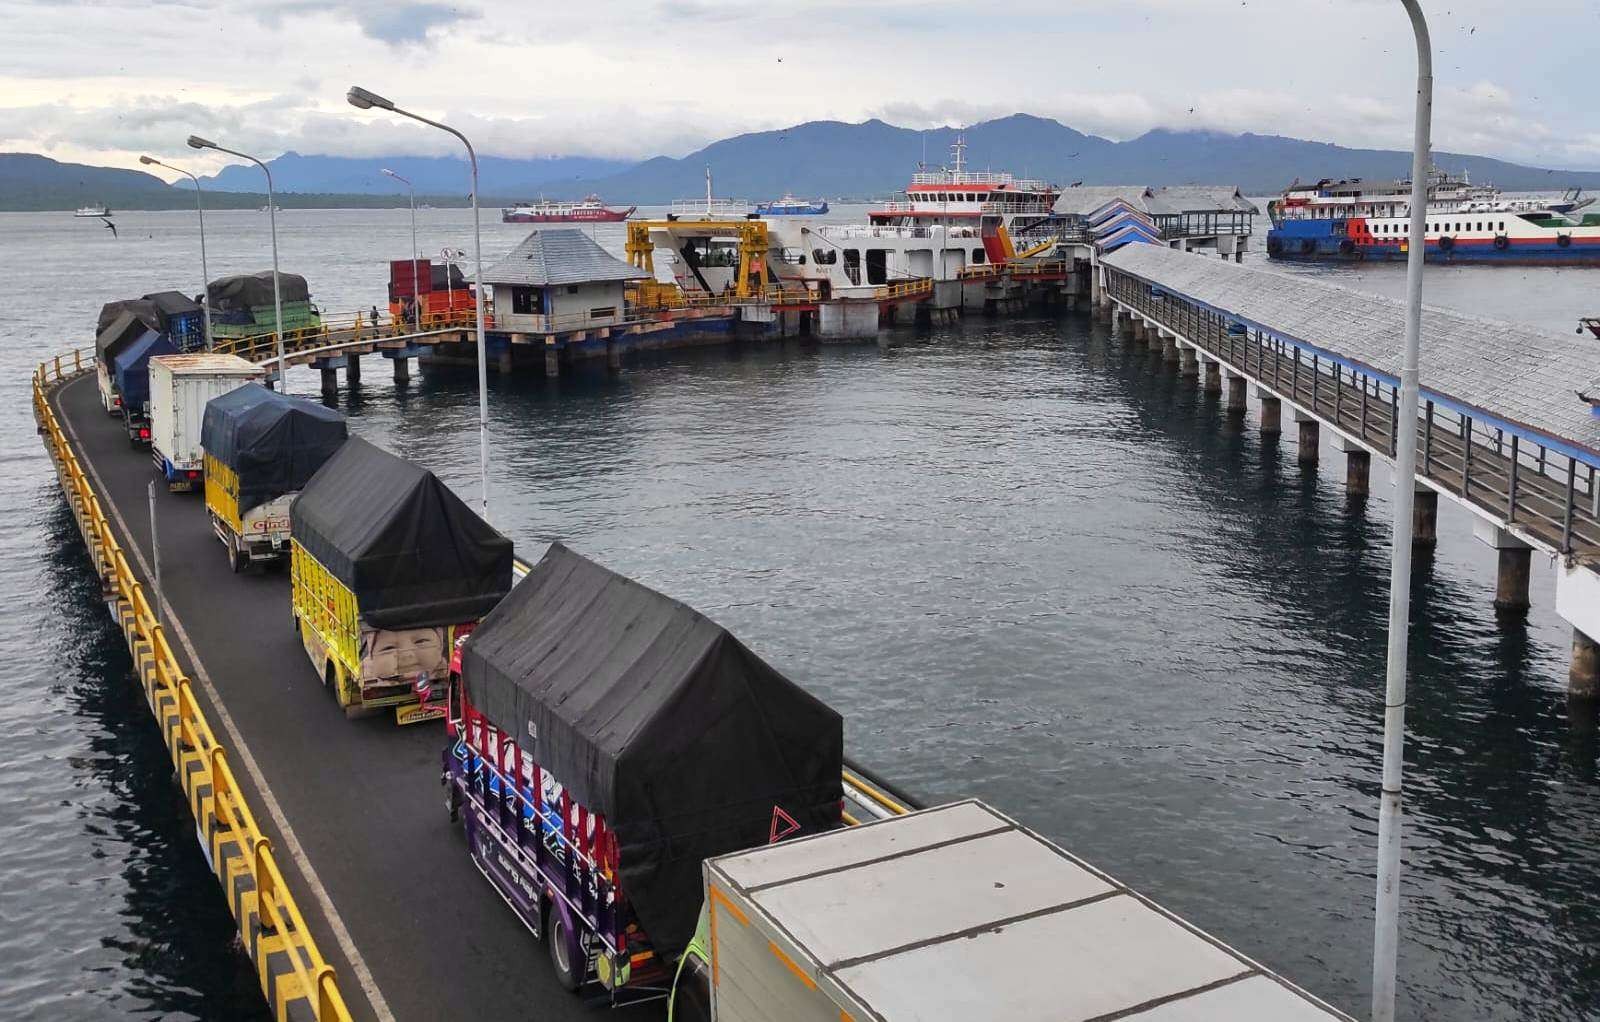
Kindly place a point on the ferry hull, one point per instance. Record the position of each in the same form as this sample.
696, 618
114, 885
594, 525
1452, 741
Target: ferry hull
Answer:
582, 216
1515, 251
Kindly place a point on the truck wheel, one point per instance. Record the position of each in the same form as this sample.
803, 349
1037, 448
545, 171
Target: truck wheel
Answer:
330, 677
236, 557
452, 800
565, 954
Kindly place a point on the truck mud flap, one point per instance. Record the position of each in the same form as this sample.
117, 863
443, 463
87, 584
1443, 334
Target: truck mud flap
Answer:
416, 713
515, 887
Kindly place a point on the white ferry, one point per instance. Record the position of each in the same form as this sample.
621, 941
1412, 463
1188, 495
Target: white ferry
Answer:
94, 209
1355, 220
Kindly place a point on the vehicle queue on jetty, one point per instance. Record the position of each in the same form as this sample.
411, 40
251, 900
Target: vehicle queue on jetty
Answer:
620, 764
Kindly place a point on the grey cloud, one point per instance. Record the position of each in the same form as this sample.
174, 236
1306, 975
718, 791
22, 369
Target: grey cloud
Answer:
399, 23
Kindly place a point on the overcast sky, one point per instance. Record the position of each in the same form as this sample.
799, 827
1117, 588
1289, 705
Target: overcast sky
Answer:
100, 82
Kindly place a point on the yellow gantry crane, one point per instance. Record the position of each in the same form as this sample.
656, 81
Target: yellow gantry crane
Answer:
753, 243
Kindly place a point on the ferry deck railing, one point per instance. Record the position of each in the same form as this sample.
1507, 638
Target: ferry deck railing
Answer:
1512, 476
220, 810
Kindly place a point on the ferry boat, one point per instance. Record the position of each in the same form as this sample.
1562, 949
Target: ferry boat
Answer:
956, 196
97, 209
791, 206
588, 211
1355, 220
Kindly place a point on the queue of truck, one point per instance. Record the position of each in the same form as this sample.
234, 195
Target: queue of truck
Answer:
658, 805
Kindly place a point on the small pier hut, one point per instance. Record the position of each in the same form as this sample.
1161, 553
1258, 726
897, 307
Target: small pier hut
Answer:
1186, 217
559, 279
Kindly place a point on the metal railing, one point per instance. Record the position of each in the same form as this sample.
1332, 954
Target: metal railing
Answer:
1512, 475
918, 288
201, 763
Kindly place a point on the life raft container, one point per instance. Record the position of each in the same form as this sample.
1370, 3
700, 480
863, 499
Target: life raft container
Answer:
1447, 244
1563, 240
1502, 242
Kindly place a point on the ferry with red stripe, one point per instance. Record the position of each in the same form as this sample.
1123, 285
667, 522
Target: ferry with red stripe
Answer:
1355, 220
590, 210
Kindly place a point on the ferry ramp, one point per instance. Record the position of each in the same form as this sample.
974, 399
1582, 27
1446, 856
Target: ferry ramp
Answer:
353, 809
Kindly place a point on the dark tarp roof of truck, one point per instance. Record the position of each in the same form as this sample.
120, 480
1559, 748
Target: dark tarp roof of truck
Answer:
122, 321
172, 303
274, 443
657, 717
252, 290
410, 550
130, 366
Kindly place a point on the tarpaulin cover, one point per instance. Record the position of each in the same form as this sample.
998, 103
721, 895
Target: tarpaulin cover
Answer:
252, 290
655, 716
411, 551
120, 321
273, 443
171, 304
130, 367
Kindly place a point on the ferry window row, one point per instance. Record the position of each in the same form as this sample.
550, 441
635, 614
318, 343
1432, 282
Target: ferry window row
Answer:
1445, 225
951, 196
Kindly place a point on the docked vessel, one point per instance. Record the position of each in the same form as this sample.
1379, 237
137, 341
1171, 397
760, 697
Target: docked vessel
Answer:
1355, 220
589, 210
791, 206
94, 209
956, 196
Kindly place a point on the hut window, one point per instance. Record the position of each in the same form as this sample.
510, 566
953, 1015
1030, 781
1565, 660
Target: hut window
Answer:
604, 312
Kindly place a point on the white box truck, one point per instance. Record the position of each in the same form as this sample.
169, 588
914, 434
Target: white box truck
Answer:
955, 914
180, 386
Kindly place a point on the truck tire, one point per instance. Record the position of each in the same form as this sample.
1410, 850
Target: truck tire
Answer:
236, 558
566, 955
452, 799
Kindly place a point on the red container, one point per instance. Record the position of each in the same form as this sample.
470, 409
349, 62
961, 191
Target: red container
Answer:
400, 277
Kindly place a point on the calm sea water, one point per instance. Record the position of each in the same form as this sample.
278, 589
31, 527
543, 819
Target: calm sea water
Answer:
1025, 567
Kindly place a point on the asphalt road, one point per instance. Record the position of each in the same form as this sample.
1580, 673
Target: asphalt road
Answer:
361, 797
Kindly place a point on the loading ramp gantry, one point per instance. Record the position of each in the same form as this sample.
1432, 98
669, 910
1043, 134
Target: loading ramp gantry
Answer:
752, 278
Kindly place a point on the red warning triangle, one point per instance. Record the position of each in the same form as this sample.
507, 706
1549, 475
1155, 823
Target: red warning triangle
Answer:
782, 825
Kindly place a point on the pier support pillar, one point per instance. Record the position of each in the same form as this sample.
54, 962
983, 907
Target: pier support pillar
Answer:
1116, 322
613, 355
1235, 405
552, 360
1512, 580
1271, 416
330, 380
1190, 363
1425, 518
1357, 471
1213, 384
502, 361
1583, 678
402, 370
352, 369
1310, 439
1169, 347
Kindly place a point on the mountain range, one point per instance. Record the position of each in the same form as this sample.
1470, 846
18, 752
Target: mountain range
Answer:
818, 158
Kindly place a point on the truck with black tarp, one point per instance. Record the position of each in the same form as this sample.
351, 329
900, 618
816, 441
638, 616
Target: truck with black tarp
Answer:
606, 740
243, 305
121, 322
126, 361
387, 564
261, 447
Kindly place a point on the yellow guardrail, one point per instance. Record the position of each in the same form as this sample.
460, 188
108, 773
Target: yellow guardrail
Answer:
234, 841
340, 329
905, 289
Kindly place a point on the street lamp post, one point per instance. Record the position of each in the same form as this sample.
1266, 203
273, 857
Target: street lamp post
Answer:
363, 100
1386, 923
416, 295
196, 142
200, 207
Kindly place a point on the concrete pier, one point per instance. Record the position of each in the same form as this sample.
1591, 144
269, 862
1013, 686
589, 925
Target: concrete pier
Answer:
1169, 347
1512, 579
1357, 471
1310, 439
613, 355
1189, 364
330, 380
352, 369
1213, 382
1583, 678
1425, 518
402, 370
1236, 404
1271, 414
552, 361
846, 319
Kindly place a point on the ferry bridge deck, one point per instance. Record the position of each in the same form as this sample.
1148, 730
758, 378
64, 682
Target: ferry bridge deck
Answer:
1501, 428
352, 809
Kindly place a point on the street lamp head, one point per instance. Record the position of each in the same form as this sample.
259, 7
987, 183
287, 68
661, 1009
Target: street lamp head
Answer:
196, 142
365, 100
147, 161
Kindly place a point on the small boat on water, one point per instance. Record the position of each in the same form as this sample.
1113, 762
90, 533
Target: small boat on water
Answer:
791, 206
94, 209
590, 210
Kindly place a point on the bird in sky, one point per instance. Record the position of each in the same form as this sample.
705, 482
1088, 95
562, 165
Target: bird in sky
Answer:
111, 225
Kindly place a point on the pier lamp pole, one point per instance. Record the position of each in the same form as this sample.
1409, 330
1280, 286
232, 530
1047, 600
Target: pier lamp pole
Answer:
1386, 926
361, 99
200, 207
416, 297
196, 142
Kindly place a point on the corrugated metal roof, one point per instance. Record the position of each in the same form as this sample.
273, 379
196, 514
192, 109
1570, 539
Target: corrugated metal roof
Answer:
1086, 199
559, 256
1200, 199
1526, 378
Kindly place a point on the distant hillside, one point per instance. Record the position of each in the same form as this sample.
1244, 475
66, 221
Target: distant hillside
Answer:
432, 175
831, 158
38, 182
818, 158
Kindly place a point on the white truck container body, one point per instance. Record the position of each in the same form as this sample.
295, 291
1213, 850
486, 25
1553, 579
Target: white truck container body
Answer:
180, 386
958, 913
110, 400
